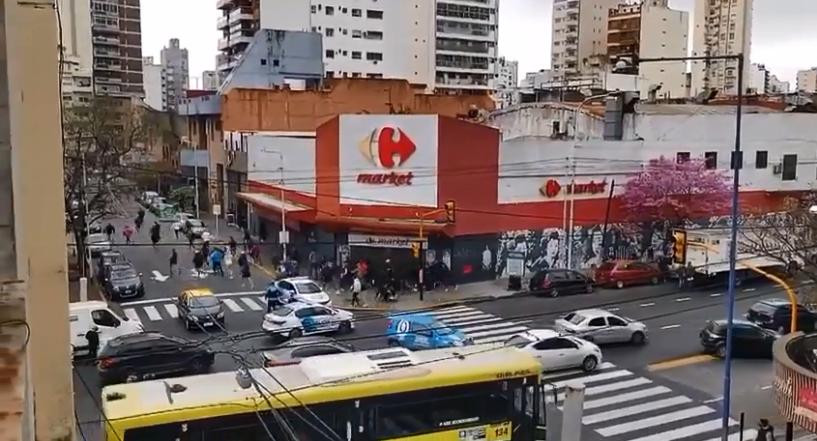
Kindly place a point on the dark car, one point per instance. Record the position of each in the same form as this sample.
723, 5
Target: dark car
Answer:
556, 282
122, 282
149, 355
292, 351
776, 314
621, 273
199, 308
748, 339
106, 259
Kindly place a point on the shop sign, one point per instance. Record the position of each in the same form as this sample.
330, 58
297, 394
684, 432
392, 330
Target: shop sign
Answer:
387, 148
551, 188
376, 241
807, 403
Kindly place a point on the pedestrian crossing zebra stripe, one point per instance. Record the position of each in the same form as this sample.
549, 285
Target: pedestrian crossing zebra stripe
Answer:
749, 435
131, 314
635, 410
233, 305
172, 310
252, 305
595, 378
685, 431
657, 420
153, 313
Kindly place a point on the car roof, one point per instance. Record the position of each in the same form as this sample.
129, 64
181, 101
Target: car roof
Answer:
593, 312
736, 322
198, 292
415, 317
775, 302
123, 266
538, 334
110, 253
296, 279
301, 305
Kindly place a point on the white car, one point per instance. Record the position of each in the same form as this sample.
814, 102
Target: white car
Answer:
555, 351
179, 220
303, 289
97, 243
82, 316
296, 319
602, 327
195, 227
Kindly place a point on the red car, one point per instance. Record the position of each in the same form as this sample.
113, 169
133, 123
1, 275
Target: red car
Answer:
620, 273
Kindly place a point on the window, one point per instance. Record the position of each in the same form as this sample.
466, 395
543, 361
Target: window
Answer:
263, 61
329, 10
615, 321
789, 167
374, 14
313, 8
373, 35
356, 33
598, 321
711, 160
761, 159
682, 157
355, 55
356, 12
330, 53
103, 317
374, 56
305, 312
355, 74
330, 32
444, 411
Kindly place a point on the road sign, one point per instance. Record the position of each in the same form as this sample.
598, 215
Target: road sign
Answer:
216, 210
283, 237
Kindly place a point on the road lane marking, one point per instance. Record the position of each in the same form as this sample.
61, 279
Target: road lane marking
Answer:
249, 302
635, 410
717, 294
644, 305
152, 313
713, 400
614, 309
658, 420
751, 434
767, 387
172, 310
131, 314
470, 321
670, 326
593, 378
451, 309
623, 398
566, 373
678, 362
489, 340
683, 299
262, 299
469, 329
506, 331
749, 289
458, 314
233, 305
170, 299
686, 431
619, 385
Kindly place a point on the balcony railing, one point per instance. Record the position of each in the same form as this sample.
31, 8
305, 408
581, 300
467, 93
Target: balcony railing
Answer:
239, 15
221, 23
225, 4
106, 40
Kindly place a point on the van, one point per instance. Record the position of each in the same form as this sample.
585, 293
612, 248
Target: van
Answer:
83, 315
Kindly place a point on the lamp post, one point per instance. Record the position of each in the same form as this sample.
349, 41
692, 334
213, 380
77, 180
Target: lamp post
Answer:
283, 236
733, 232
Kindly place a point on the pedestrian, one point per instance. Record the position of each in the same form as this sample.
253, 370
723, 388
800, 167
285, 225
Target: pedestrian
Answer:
216, 258
138, 223
314, 265
357, 287
205, 251
93, 341
109, 231
255, 253
228, 263
155, 233
247, 238
765, 431
190, 239
177, 227
127, 232
233, 245
273, 297
198, 262
174, 263
246, 277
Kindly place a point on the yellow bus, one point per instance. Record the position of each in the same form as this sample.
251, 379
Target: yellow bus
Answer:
471, 393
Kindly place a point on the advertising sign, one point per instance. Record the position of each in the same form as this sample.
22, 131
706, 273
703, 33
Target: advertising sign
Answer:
388, 159
552, 188
370, 240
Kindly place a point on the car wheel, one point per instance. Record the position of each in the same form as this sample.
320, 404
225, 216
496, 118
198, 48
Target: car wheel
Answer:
295, 333
554, 292
588, 289
199, 366
654, 280
720, 351
345, 327
619, 284
638, 338
589, 364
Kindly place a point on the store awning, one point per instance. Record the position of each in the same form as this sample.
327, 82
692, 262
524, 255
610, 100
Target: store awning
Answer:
270, 202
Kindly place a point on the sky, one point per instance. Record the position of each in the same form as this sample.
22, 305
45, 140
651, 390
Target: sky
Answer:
784, 36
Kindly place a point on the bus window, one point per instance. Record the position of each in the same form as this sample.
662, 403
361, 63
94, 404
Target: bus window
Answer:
439, 414
164, 432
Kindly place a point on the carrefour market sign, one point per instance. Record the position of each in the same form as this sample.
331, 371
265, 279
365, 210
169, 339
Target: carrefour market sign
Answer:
552, 188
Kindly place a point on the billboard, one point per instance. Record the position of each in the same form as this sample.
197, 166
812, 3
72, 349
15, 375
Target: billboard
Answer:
388, 160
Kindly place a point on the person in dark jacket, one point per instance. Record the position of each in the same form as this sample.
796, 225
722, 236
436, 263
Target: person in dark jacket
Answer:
93, 341
155, 233
198, 262
109, 231
174, 263
765, 431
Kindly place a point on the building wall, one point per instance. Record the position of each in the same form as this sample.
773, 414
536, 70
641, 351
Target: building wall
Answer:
117, 44
807, 80
467, 35
154, 85
209, 80
174, 60
721, 27
664, 33
777, 86
579, 36
77, 55
268, 154
238, 21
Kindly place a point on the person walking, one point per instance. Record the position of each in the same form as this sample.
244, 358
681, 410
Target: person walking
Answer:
246, 276
109, 231
127, 232
233, 245
273, 297
247, 238
174, 263
228, 263
155, 233
205, 251
177, 228
190, 239
198, 262
216, 259
357, 287
138, 222
765, 431
314, 265
93, 341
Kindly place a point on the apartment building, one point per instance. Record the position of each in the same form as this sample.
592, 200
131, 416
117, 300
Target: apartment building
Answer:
722, 27
77, 56
117, 47
579, 38
507, 84
758, 81
663, 33
807, 80
174, 60
238, 22
776, 85
153, 78
209, 80
466, 45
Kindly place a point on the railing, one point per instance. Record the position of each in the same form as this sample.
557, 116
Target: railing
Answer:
795, 387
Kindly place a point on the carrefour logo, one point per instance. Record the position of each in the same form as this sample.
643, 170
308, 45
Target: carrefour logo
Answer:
388, 148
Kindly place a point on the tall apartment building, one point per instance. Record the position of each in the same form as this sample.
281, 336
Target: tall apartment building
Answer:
807, 80
722, 27
507, 83
153, 77
77, 55
174, 61
650, 30
579, 38
238, 22
117, 47
209, 80
466, 45
777, 86
758, 80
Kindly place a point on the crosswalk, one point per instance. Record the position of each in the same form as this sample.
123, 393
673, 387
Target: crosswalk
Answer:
478, 325
158, 311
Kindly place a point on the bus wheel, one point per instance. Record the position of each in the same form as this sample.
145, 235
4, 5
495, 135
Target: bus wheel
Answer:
295, 333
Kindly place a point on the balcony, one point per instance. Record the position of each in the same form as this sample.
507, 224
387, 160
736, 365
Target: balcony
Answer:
105, 27
106, 52
225, 4
221, 23
239, 15
458, 46
474, 34
111, 41
114, 67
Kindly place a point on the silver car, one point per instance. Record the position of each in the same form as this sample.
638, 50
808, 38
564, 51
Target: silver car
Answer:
602, 327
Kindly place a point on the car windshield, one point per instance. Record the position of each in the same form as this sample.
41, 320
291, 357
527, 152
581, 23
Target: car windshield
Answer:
124, 274
764, 308
443, 330
575, 319
308, 287
607, 266
282, 311
203, 302
517, 340
716, 328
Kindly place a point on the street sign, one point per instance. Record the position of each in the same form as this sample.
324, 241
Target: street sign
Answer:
283, 237
216, 210
516, 263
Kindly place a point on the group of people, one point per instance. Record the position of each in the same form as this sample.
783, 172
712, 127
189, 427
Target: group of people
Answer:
219, 260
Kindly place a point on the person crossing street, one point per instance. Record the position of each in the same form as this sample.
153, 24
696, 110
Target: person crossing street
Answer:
93, 341
155, 233
174, 263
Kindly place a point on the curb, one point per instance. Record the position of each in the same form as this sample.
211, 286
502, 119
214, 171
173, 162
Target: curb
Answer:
463, 301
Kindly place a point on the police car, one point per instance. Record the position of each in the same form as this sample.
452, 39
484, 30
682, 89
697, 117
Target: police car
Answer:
297, 318
422, 331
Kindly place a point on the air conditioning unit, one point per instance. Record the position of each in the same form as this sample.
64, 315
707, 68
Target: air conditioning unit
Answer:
777, 169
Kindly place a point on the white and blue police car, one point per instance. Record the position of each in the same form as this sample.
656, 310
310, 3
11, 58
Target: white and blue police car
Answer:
295, 319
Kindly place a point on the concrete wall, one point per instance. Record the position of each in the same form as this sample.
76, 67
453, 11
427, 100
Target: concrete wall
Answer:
153, 84
264, 160
664, 33
537, 120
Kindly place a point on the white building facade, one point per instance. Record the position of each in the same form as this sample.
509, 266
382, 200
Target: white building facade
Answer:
507, 86
77, 55
664, 33
807, 80
467, 33
721, 27
758, 81
174, 60
579, 37
777, 86
153, 78
209, 80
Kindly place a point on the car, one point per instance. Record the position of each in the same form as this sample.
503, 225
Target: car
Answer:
296, 319
123, 282
749, 339
303, 289
179, 220
194, 227
422, 331
97, 243
106, 259
556, 282
621, 273
199, 309
555, 351
149, 355
146, 198
82, 316
601, 327
156, 202
775, 314
292, 351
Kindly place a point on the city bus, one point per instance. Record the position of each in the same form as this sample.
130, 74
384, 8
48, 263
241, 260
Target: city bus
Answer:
485, 393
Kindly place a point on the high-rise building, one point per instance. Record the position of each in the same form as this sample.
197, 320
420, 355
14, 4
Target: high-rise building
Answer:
153, 77
117, 47
777, 86
758, 80
579, 38
466, 39
174, 60
238, 22
77, 54
722, 27
209, 80
507, 83
807, 80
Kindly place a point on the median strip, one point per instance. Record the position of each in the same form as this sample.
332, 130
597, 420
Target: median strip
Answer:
679, 362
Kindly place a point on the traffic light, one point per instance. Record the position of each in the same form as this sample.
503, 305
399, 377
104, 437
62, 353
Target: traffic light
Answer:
679, 248
450, 212
415, 250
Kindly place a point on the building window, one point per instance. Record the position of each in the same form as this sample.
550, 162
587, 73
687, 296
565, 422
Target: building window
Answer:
330, 10
313, 8
355, 74
373, 35
761, 159
330, 53
374, 14
357, 33
263, 61
682, 157
356, 12
374, 75
355, 55
330, 32
374, 56
789, 167
711, 160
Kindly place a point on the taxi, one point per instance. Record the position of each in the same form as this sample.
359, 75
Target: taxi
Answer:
295, 319
200, 308
422, 331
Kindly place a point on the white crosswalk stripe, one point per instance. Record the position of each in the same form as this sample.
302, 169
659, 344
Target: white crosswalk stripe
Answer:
152, 313
131, 314
635, 410
172, 310
233, 305
251, 304
655, 421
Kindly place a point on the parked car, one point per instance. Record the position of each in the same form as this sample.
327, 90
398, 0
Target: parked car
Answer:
775, 314
601, 327
122, 282
149, 355
556, 351
106, 259
146, 198
303, 289
180, 219
110, 324
556, 282
422, 331
296, 319
97, 243
292, 351
621, 273
200, 308
748, 339
194, 227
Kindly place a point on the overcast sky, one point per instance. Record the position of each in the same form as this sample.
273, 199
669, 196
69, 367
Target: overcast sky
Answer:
784, 34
